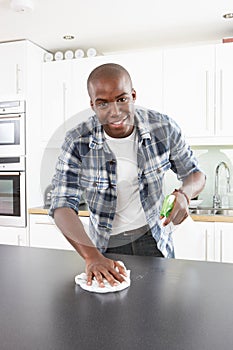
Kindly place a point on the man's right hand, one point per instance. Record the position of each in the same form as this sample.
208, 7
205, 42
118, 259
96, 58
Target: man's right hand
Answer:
96, 264
101, 267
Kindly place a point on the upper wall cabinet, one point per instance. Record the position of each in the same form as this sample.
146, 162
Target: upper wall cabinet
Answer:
146, 71
189, 88
191, 84
198, 83
65, 98
224, 90
81, 68
12, 70
56, 92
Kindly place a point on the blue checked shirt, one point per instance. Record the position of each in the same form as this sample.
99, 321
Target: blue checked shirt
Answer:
87, 166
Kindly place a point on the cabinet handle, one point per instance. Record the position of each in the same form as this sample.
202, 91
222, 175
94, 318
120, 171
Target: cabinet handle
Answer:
44, 223
206, 243
19, 240
220, 98
64, 87
221, 245
17, 79
207, 100
12, 116
8, 173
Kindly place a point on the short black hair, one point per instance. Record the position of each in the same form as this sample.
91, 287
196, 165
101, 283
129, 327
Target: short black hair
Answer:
107, 70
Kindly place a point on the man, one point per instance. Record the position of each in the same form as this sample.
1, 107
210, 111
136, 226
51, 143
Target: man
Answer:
118, 158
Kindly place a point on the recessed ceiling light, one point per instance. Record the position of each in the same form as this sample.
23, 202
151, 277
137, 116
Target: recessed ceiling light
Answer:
22, 5
228, 15
68, 37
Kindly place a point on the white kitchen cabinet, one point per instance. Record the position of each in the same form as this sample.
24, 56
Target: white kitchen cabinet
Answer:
224, 242
210, 241
197, 91
13, 236
21, 79
65, 98
56, 99
147, 81
81, 68
43, 233
224, 88
12, 70
194, 240
146, 71
189, 88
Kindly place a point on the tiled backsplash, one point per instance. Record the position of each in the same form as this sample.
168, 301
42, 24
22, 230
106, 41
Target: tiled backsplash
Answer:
209, 157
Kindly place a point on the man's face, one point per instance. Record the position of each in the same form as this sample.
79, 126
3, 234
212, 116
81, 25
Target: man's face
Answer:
112, 99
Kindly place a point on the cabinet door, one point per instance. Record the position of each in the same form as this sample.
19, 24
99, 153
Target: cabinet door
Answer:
13, 235
12, 70
55, 101
189, 88
45, 234
224, 242
78, 107
146, 71
224, 88
81, 68
194, 240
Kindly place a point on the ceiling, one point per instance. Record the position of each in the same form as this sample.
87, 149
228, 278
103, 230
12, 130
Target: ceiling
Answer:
118, 25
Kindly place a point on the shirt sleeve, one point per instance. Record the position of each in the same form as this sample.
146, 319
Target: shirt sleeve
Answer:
183, 161
66, 191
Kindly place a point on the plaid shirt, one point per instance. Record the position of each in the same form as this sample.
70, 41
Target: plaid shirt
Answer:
87, 165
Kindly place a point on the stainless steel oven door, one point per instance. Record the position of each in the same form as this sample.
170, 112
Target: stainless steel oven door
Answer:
12, 198
12, 135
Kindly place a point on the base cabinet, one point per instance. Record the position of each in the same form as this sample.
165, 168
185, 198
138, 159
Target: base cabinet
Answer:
208, 241
224, 242
13, 236
43, 233
194, 240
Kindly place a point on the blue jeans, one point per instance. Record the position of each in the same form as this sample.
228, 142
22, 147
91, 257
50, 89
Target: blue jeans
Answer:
134, 244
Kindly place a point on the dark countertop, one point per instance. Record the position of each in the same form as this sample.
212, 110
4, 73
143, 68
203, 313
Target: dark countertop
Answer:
170, 305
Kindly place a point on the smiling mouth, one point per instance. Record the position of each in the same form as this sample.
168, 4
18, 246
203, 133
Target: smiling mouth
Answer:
119, 122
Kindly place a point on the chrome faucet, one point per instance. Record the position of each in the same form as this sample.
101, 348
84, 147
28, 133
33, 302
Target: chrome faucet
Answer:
216, 198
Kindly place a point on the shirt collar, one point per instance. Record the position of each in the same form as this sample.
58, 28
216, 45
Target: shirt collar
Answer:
97, 136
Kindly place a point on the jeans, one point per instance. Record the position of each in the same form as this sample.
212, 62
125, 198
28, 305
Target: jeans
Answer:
134, 244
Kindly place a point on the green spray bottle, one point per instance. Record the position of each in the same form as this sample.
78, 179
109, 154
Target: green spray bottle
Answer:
167, 206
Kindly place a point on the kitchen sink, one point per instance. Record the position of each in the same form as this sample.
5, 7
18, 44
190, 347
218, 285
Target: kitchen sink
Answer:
212, 211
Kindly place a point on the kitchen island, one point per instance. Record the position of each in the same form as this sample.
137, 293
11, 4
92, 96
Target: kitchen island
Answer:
171, 304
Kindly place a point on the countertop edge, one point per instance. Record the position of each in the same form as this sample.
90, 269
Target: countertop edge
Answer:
203, 218
40, 210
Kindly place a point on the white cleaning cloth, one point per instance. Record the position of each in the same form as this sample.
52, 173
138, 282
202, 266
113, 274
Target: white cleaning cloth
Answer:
81, 280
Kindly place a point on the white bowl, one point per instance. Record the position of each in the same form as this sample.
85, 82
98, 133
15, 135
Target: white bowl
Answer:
91, 52
194, 203
48, 57
69, 54
58, 56
79, 53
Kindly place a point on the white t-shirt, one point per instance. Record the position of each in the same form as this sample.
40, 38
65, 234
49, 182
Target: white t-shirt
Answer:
129, 212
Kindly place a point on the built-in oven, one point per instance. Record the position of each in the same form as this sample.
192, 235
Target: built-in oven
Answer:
12, 191
12, 128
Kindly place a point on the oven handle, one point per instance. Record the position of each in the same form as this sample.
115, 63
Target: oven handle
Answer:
7, 116
10, 173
